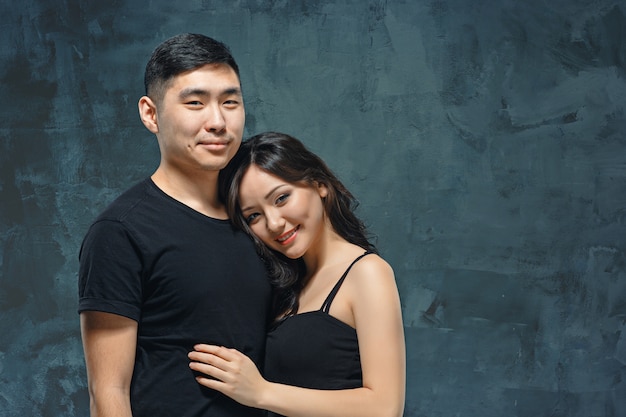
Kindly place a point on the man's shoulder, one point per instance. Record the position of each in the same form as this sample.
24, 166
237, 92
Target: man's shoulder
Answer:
126, 203
125, 215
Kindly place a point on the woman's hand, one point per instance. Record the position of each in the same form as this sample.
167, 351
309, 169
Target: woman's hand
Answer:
235, 375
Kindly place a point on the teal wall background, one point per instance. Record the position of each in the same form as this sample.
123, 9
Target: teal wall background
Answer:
486, 141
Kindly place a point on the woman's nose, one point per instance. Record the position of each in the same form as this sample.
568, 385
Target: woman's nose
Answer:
275, 222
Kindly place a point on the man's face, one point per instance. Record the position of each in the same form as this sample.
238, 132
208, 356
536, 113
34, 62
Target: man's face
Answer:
200, 119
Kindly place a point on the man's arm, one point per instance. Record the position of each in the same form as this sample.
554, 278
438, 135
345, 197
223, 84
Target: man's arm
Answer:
109, 343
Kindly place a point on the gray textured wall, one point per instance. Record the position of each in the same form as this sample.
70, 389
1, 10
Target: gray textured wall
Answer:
485, 140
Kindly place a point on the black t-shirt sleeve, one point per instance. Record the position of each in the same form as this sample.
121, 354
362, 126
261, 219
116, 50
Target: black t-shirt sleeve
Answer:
110, 271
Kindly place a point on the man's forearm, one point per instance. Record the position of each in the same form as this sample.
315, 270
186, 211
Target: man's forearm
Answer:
110, 403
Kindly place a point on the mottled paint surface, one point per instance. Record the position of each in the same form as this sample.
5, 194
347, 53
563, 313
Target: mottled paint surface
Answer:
486, 141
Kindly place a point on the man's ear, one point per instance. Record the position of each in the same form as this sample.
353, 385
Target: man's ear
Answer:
148, 114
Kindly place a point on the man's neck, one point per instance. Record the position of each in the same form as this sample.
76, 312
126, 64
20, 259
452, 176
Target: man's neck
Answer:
199, 192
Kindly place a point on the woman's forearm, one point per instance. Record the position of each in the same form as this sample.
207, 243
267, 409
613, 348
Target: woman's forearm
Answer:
293, 401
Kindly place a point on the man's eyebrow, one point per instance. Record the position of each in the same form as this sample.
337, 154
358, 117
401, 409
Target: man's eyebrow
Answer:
186, 92
232, 91
192, 91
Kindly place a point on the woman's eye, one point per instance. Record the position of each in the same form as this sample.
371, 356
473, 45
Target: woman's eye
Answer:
250, 219
282, 198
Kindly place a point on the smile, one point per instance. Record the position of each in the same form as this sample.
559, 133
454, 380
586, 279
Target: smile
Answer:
213, 143
286, 238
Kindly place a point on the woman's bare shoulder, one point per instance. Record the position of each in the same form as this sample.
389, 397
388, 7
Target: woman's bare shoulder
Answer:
373, 263
372, 273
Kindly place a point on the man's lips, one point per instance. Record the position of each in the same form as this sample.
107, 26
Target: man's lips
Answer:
288, 237
213, 143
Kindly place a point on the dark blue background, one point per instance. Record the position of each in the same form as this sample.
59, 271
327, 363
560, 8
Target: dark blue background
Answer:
485, 140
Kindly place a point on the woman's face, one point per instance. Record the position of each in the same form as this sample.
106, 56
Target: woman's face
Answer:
286, 217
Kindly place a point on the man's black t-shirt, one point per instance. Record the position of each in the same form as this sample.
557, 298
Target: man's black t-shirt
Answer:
185, 278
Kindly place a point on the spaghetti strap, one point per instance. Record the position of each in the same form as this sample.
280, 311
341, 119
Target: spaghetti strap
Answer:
331, 296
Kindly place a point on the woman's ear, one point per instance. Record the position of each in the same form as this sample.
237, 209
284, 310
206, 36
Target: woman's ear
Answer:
322, 190
148, 114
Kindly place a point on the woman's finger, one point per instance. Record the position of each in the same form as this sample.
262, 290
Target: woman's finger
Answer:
212, 383
206, 369
220, 351
210, 359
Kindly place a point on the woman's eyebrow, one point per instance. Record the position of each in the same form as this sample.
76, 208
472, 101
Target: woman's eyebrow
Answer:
266, 196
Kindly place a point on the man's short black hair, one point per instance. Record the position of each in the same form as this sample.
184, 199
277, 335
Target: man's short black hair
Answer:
182, 53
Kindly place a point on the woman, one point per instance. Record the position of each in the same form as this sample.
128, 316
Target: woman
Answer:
337, 345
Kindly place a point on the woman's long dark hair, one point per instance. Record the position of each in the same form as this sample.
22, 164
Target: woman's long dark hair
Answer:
286, 157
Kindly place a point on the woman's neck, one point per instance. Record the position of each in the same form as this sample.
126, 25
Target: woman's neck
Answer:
331, 250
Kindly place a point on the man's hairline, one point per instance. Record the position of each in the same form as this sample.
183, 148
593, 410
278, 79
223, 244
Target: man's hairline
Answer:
165, 84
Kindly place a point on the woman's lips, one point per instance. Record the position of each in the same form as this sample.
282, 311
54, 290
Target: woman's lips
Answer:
287, 237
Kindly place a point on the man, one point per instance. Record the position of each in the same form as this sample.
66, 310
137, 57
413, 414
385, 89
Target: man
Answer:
162, 269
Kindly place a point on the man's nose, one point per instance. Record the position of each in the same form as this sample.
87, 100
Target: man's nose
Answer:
215, 121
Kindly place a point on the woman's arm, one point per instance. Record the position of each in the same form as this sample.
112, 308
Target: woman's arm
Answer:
375, 303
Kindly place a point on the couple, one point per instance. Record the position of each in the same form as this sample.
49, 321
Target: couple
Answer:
169, 289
